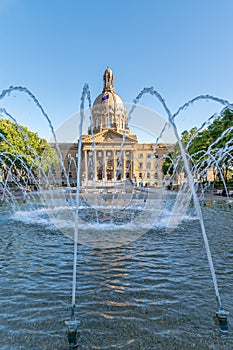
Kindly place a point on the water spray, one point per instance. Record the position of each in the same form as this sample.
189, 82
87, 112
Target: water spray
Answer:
72, 332
220, 314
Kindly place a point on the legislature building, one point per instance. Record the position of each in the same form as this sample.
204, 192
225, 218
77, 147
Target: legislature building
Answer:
110, 153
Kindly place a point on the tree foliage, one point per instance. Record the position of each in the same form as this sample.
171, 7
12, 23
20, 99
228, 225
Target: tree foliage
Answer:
23, 151
209, 147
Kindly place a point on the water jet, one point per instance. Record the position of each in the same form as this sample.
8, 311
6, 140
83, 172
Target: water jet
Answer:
110, 215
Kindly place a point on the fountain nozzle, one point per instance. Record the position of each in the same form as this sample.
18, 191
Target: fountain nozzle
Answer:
72, 333
222, 316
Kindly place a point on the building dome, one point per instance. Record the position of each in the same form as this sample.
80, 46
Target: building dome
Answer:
108, 111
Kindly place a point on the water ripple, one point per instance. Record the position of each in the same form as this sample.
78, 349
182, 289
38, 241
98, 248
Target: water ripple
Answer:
155, 293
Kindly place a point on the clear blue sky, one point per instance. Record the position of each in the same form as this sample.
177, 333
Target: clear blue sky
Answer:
182, 48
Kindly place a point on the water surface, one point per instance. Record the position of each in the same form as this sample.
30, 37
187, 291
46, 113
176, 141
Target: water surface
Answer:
154, 293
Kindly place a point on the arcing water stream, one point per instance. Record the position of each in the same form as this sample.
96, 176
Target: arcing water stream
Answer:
137, 212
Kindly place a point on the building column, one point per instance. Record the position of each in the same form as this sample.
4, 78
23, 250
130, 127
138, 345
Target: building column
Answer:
123, 165
132, 166
104, 165
114, 166
95, 166
85, 166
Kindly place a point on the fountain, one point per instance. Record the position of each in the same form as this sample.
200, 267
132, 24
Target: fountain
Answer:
129, 212
221, 314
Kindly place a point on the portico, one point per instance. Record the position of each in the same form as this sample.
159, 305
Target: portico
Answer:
108, 160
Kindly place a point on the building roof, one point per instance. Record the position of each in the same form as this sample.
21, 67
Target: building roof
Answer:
108, 135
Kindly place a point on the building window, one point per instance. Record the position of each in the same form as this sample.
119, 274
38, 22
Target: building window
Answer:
109, 163
156, 155
148, 165
109, 153
128, 164
148, 175
90, 153
99, 154
127, 153
119, 163
149, 156
69, 155
155, 175
70, 174
140, 175
140, 165
140, 155
118, 153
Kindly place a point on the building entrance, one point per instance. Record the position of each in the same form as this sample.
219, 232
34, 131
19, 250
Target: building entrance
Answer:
119, 176
100, 174
109, 174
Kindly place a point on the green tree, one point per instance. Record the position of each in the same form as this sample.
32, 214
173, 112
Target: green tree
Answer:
213, 145
174, 163
210, 147
167, 167
23, 152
